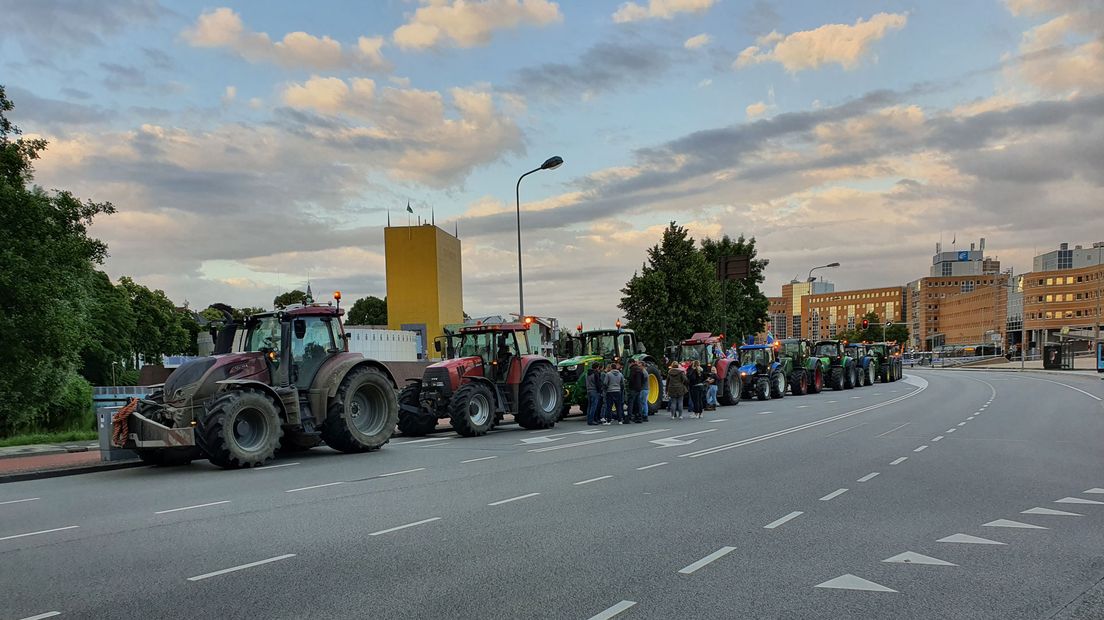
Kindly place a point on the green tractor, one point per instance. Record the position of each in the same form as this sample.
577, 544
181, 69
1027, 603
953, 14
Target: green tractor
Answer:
605, 346
887, 360
842, 373
806, 371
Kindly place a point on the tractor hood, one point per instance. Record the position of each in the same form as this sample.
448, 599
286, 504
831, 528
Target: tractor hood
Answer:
749, 369
579, 359
459, 362
197, 378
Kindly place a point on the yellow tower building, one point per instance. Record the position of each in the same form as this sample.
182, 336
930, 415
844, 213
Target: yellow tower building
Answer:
424, 281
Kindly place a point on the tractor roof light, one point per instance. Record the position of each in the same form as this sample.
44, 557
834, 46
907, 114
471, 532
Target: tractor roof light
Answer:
617, 323
337, 295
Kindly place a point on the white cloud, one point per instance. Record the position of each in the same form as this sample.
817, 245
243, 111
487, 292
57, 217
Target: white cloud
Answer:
756, 109
1064, 55
659, 9
470, 23
840, 44
696, 41
229, 95
223, 28
707, 82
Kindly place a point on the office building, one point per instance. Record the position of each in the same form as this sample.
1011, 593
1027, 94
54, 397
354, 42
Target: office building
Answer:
828, 314
972, 262
424, 281
1065, 258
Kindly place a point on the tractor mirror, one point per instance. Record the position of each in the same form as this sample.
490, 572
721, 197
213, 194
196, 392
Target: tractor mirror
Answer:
437, 345
300, 327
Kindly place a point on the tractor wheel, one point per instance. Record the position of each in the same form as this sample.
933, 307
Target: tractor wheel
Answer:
168, 457
848, 377
540, 398
816, 379
869, 378
836, 378
883, 373
655, 388
799, 382
778, 384
762, 388
413, 420
471, 410
730, 392
241, 429
363, 414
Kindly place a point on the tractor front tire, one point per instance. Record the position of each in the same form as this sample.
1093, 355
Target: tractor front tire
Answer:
655, 388
799, 382
816, 379
869, 378
778, 384
241, 429
363, 414
836, 378
413, 420
848, 377
762, 388
471, 410
540, 398
730, 392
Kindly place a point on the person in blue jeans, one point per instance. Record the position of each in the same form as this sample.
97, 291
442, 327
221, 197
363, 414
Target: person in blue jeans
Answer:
614, 394
594, 390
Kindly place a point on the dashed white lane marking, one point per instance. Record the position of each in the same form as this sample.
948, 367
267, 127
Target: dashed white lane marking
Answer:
854, 397
961, 424
1096, 398
56, 529
49, 614
899, 461
1096, 490
651, 466
613, 611
773, 524
844, 430
427, 439
162, 512
720, 420
851, 582
764, 412
802, 406
242, 567
830, 401
316, 486
582, 482
970, 418
876, 394
403, 527
712, 557
967, 539
833, 495
937, 438
1064, 500
602, 440
677, 440
484, 458
950, 430
894, 429
513, 499
20, 501
399, 473
910, 557
274, 466
921, 448
1051, 512
868, 477
1009, 523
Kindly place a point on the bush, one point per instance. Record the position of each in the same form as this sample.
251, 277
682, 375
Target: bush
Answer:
71, 408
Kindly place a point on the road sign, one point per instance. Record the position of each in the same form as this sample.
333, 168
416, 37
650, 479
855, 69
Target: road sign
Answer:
734, 268
889, 323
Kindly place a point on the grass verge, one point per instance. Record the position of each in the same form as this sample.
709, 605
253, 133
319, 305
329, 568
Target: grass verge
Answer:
37, 438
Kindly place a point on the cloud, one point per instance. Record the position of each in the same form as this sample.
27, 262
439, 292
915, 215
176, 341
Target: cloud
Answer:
659, 9
1065, 54
123, 76
222, 28
696, 41
48, 26
603, 68
229, 95
51, 113
470, 23
756, 109
707, 82
840, 44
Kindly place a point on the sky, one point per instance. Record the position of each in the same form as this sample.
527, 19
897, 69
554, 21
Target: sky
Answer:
250, 145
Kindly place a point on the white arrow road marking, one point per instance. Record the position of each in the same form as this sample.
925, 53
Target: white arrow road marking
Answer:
1096, 490
910, 557
967, 539
851, 582
556, 437
613, 611
49, 614
602, 440
668, 442
1050, 512
712, 557
1076, 500
1008, 523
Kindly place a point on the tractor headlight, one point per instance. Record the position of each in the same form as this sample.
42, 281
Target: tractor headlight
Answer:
743, 374
572, 367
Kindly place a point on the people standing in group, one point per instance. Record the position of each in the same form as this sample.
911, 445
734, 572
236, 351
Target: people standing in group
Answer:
696, 378
734, 352
676, 389
712, 383
636, 383
614, 396
595, 391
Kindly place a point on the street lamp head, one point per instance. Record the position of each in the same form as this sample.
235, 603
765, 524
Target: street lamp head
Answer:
552, 163
832, 265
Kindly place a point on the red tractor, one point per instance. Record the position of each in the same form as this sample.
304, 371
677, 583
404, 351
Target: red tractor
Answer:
490, 374
709, 349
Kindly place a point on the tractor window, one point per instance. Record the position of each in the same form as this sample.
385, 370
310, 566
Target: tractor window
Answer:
625, 346
755, 356
478, 345
825, 349
601, 344
791, 349
308, 352
264, 334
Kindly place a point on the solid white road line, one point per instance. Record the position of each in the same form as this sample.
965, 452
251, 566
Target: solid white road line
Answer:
613, 611
833, 495
19, 501
407, 443
403, 527
773, 524
242, 567
161, 512
399, 473
921, 448
856, 397
650, 466
49, 614
513, 499
894, 429
899, 461
602, 440
1010, 523
317, 486
1050, 512
56, 529
274, 466
1096, 398
830, 401
485, 458
1064, 500
582, 482
937, 438
868, 477
844, 430
720, 420
712, 557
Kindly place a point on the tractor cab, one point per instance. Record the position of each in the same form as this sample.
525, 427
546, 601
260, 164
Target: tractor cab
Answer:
828, 348
756, 358
297, 341
702, 347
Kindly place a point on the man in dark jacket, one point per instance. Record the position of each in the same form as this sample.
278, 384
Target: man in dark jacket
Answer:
637, 381
595, 390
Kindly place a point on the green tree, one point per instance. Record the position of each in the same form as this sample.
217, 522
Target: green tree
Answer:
111, 324
674, 294
873, 331
745, 310
368, 310
47, 262
159, 327
283, 300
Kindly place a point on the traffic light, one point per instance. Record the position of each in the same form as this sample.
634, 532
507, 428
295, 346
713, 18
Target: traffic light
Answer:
866, 323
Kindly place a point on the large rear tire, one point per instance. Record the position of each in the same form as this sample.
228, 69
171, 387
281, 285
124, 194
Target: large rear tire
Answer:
835, 378
848, 377
413, 420
655, 388
730, 392
540, 398
241, 429
363, 414
816, 379
869, 374
471, 410
778, 384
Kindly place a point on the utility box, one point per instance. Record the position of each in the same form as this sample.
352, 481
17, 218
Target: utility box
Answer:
109, 452
1058, 356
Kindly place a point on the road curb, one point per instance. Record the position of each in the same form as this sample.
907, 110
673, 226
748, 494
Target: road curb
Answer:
64, 450
1060, 373
67, 471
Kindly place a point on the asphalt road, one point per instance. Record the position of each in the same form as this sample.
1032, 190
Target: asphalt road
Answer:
932, 497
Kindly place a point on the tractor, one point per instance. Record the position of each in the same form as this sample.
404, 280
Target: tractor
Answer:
842, 374
709, 350
605, 346
887, 357
865, 364
762, 373
289, 383
807, 376
491, 375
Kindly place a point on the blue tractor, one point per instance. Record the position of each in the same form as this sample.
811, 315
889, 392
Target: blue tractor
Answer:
865, 364
763, 375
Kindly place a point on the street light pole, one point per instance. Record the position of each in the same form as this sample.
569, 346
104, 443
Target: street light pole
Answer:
810, 278
549, 164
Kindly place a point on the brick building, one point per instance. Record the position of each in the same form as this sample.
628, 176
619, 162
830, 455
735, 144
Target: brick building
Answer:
946, 310
825, 315
1063, 298
979, 316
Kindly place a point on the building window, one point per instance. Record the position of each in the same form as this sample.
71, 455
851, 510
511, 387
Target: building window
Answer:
1065, 259
1049, 298
1079, 278
1069, 296
1049, 315
946, 269
1069, 314
851, 323
1050, 281
1069, 279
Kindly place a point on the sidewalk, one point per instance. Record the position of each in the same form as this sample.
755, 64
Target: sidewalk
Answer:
52, 460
